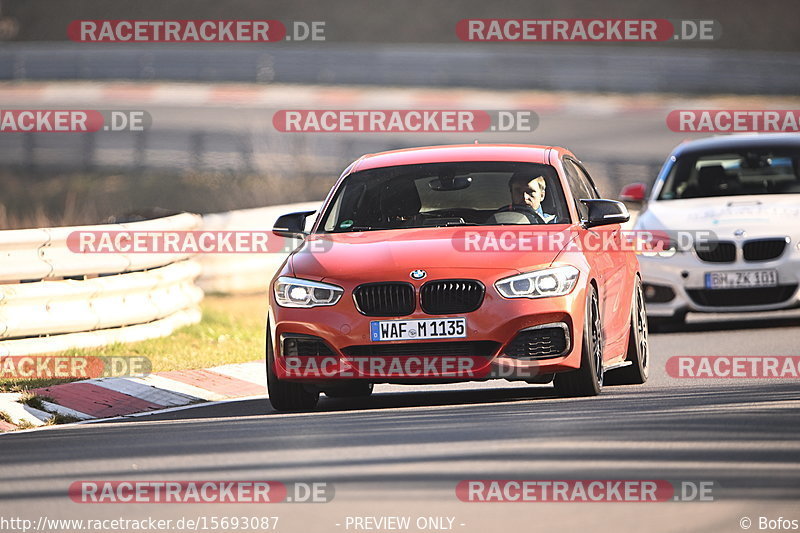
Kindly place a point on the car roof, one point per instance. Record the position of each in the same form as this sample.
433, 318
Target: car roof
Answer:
738, 142
454, 153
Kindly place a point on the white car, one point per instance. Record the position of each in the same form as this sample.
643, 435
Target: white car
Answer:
731, 208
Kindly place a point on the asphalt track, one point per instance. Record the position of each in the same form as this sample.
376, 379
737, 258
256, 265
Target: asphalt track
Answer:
402, 451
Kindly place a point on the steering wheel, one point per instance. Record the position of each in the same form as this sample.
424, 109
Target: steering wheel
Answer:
523, 209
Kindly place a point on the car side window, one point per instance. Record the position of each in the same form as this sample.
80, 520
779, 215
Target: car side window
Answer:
581, 187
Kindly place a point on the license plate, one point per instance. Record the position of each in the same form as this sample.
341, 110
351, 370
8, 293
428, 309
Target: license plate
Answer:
409, 330
741, 279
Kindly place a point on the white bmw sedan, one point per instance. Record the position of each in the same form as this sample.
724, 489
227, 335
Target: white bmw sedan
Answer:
730, 207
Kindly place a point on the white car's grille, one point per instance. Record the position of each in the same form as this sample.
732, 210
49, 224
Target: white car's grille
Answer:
763, 249
742, 297
753, 250
716, 252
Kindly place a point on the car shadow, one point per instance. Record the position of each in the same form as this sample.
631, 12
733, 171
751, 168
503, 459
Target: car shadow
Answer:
437, 398
698, 322
379, 400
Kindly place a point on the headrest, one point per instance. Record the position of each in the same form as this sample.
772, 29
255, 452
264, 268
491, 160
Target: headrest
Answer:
712, 178
400, 198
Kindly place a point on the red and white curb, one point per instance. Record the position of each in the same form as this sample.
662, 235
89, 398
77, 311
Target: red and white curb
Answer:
121, 396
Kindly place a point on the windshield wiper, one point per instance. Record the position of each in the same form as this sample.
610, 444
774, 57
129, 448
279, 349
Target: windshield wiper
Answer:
358, 228
456, 224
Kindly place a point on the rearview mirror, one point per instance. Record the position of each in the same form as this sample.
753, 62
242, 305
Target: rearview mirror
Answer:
450, 183
605, 212
292, 225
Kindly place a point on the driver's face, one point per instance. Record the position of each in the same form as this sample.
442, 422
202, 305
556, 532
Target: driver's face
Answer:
531, 194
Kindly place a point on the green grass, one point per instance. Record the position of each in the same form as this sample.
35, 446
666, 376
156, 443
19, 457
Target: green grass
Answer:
34, 400
58, 418
232, 331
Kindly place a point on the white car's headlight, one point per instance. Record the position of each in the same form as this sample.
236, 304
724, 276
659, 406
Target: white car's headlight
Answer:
556, 281
295, 292
661, 248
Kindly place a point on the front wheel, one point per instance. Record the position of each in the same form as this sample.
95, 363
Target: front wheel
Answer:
285, 395
638, 346
588, 379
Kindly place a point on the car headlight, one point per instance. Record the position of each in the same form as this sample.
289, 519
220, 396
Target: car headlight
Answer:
295, 292
661, 248
556, 281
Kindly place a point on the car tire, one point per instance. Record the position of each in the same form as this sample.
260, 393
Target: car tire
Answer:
357, 389
285, 395
668, 323
588, 379
638, 347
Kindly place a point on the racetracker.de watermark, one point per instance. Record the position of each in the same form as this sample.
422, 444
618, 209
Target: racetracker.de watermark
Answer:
734, 120
587, 30
404, 367
194, 31
583, 490
185, 242
72, 120
331, 367
73, 367
404, 120
203, 492
734, 366
643, 242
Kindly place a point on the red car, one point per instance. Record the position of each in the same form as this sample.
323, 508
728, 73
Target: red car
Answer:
457, 263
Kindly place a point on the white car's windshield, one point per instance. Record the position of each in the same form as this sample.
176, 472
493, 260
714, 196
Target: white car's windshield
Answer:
745, 172
447, 194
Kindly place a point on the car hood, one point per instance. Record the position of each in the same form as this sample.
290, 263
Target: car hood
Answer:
442, 252
757, 215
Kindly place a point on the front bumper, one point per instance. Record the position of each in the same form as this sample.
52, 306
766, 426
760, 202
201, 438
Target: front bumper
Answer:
497, 321
684, 274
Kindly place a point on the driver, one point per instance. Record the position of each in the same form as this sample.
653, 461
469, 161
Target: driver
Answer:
527, 194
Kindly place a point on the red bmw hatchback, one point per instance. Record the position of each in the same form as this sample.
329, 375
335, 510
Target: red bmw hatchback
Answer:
457, 263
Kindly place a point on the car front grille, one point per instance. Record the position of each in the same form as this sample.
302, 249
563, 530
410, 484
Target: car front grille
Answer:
425, 349
539, 343
716, 251
742, 297
446, 296
763, 249
385, 299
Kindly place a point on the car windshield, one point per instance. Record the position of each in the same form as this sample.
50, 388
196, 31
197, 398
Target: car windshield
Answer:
756, 171
447, 194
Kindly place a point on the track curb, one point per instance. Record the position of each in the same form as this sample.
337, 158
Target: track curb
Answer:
103, 398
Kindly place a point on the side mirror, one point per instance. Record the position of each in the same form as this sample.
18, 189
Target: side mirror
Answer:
605, 212
633, 193
292, 225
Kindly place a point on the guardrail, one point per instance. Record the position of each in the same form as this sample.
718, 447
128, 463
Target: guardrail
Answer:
52, 299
